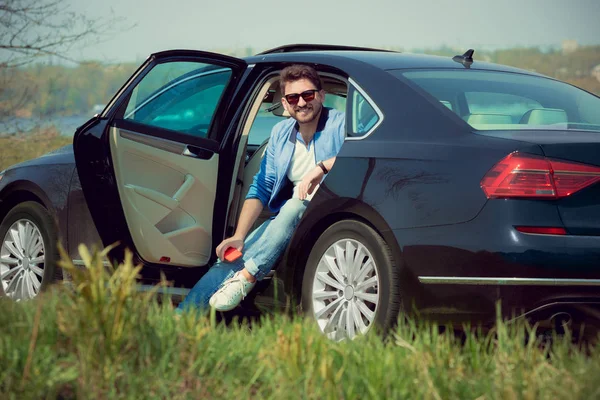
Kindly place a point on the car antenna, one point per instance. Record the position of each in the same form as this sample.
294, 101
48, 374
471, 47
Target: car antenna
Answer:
466, 59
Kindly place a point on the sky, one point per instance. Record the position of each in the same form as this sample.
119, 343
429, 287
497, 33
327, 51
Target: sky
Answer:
407, 24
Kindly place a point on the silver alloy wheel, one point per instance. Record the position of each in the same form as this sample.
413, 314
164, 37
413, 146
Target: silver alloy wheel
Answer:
345, 290
22, 258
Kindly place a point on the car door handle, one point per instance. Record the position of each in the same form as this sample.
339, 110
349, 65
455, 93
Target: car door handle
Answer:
197, 152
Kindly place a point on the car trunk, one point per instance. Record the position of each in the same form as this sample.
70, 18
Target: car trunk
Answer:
580, 211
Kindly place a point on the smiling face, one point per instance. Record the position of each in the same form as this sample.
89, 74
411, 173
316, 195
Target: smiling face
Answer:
303, 112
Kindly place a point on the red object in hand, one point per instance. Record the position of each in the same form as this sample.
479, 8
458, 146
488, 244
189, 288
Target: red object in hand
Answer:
232, 254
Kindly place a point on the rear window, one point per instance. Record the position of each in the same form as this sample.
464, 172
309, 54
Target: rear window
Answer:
491, 100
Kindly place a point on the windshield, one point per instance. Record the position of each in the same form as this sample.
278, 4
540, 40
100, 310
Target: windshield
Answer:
493, 100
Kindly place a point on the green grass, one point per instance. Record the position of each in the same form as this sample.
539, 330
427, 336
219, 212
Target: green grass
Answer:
101, 339
17, 148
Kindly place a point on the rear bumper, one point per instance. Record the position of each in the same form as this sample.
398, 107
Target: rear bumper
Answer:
468, 267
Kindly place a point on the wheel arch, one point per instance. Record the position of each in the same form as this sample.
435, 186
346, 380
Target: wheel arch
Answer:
317, 219
21, 191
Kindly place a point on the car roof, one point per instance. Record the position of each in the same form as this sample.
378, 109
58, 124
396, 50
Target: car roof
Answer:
382, 59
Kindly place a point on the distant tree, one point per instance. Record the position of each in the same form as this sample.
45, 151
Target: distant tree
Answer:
33, 30
30, 29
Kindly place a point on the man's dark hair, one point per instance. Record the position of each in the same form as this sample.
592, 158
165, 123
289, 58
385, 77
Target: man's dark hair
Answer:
296, 72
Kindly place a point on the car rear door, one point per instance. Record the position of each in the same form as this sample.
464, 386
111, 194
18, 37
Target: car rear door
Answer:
149, 164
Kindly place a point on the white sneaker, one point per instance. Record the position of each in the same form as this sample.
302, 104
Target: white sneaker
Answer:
231, 293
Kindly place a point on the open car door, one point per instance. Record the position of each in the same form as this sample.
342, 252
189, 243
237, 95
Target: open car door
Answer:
149, 164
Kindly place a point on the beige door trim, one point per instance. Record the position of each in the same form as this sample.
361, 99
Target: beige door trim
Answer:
167, 198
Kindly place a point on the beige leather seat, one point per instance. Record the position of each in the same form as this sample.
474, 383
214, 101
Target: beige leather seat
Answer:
250, 170
252, 167
544, 116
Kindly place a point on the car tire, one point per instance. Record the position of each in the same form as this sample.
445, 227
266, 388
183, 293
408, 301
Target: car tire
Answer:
345, 303
34, 260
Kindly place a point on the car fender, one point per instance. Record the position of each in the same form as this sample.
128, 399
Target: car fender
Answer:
50, 188
324, 210
22, 185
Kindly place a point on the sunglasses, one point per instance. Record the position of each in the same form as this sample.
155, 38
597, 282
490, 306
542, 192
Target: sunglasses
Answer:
307, 95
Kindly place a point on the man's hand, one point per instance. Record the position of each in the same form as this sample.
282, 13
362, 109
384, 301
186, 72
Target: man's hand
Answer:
310, 182
233, 241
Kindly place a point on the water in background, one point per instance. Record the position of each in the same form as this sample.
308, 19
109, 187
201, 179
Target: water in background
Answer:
65, 125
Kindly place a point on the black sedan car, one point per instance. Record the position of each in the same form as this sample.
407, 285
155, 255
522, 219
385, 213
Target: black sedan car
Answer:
460, 184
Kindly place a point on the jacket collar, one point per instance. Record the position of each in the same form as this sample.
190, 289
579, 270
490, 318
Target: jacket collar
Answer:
320, 125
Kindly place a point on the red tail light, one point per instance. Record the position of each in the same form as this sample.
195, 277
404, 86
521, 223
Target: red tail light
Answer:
527, 175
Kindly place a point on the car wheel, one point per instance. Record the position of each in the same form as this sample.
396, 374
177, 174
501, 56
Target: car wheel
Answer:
28, 251
351, 283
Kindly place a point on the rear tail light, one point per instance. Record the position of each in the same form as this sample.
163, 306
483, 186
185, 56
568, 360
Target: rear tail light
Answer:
531, 176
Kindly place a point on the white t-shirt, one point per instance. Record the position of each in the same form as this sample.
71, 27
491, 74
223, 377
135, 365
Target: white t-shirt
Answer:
303, 161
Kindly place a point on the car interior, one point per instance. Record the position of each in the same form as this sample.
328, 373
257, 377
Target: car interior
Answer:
264, 113
492, 105
522, 118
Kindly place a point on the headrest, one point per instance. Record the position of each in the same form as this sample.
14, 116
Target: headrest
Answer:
488, 119
279, 111
544, 116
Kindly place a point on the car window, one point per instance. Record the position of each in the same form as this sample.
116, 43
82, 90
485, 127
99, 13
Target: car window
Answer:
266, 119
180, 96
499, 100
263, 124
363, 115
500, 103
337, 101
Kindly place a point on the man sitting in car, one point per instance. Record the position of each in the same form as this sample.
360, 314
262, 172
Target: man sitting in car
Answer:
301, 150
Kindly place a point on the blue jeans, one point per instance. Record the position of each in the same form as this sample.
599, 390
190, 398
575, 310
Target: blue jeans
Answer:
262, 249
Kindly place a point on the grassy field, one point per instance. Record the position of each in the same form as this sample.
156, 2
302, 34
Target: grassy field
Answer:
17, 148
102, 340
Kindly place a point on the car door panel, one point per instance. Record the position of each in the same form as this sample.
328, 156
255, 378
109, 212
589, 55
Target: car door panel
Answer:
149, 170
165, 196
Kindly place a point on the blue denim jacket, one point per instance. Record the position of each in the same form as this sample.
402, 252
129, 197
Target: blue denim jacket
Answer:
270, 182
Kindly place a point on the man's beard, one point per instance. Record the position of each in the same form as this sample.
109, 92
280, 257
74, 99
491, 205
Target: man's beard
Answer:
306, 118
